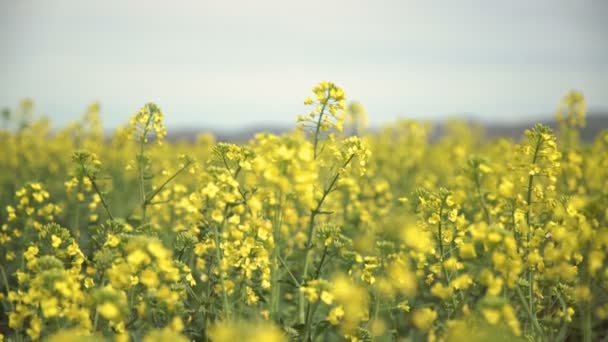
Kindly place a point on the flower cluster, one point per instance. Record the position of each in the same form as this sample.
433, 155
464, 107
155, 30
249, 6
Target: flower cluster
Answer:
329, 104
396, 234
149, 119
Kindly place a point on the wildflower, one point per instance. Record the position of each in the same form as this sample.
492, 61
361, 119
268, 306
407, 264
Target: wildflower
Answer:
35, 328
56, 241
335, 315
112, 240
423, 318
467, 251
252, 298
149, 119
492, 316
441, 291
137, 258
327, 297
148, 278
31, 253
109, 311
49, 307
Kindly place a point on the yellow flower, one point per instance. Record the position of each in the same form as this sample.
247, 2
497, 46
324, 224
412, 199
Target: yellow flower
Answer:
137, 258
327, 297
50, 307
506, 188
335, 315
35, 328
467, 251
310, 293
252, 298
442, 292
461, 282
55, 241
423, 318
31, 253
148, 278
217, 215
582, 293
63, 288
88, 282
176, 324
492, 316
109, 311
112, 240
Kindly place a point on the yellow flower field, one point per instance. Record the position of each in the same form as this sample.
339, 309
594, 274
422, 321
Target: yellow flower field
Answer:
314, 235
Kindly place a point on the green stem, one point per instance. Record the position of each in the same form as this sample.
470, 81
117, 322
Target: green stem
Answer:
311, 231
376, 311
310, 312
317, 130
101, 197
218, 255
564, 328
440, 240
293, 277
96, 317
441, 251
482, 200
275, 300
531, 315
318, 271
76, 227
586, 325
151, 196
76, 224
140, 160
528, 221
142, 189
5, 279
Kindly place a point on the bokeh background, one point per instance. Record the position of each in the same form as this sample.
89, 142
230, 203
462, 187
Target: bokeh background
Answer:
235, 64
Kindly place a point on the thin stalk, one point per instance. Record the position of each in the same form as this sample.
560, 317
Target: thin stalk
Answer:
585, 308
5, 279
531, 315
375, 313
564, 328
309, 314
293, 277
142, 188
76, 224
482, 200
440, 240
311, 232
96, 318
275, 301
529, 235
318, 271
441, 251
218, 255
140, 163
103, 200
151, 196
317, 130
76, 227
586, 326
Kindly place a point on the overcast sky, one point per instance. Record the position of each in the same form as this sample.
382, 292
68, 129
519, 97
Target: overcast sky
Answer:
235, 63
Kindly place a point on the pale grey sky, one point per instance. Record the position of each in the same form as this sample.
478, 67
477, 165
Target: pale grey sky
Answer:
235, 63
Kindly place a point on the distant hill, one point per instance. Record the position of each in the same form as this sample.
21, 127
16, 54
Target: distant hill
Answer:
596, 122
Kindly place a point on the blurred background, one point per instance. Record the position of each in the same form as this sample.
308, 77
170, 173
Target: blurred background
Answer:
233, 65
